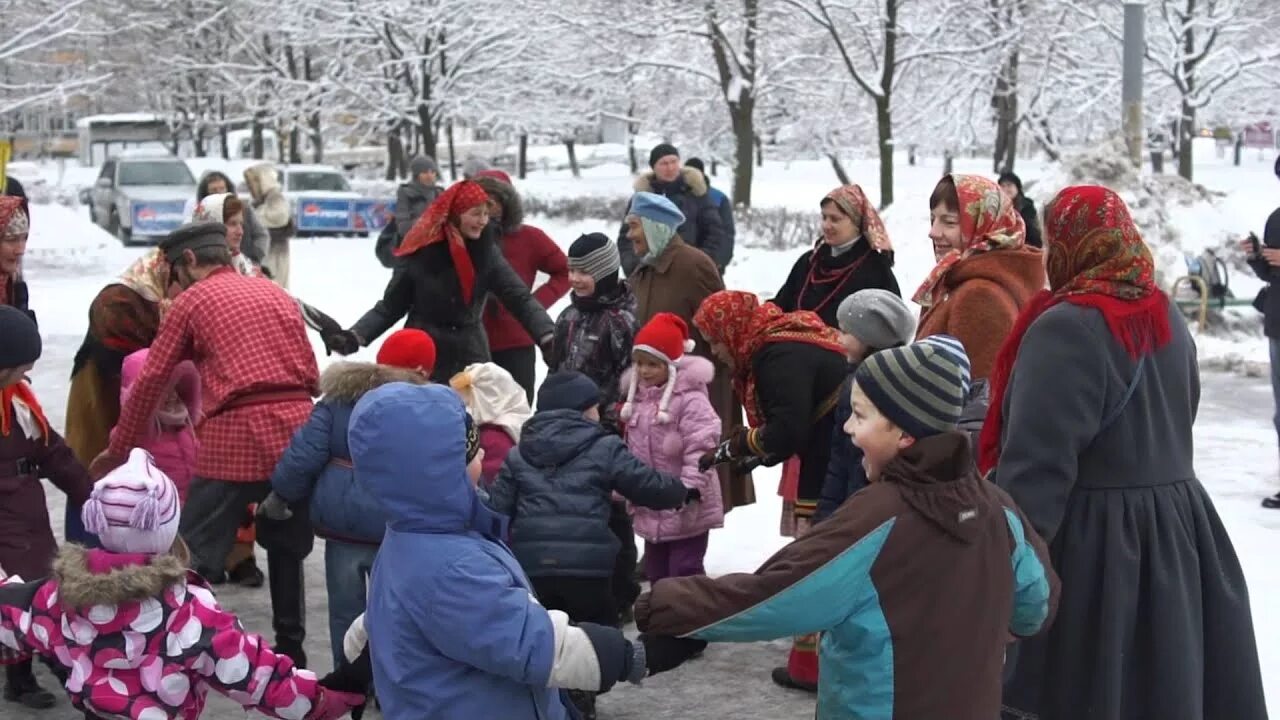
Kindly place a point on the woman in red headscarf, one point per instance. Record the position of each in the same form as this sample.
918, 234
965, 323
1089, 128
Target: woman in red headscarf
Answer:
853, 254
788, 369
449, 263
1093, 398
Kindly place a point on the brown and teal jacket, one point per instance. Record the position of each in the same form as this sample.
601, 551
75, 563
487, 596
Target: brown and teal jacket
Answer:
917, 583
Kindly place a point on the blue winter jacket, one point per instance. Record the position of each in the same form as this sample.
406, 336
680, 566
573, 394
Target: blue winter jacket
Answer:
845, 474
454, 629
317, 463
556, 486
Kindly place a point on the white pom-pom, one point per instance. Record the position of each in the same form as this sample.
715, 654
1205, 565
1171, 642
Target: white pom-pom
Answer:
689, 345
664, 417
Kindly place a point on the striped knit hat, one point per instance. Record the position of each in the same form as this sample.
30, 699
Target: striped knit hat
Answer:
921, 388
134, 508
596, 255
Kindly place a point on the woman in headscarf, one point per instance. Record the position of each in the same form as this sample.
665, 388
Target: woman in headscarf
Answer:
985, 273
853, 254
256, 240
788, 368
15, 224
451, 262
1090, 431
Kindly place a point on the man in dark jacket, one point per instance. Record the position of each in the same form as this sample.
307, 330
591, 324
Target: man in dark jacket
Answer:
1264, 258
686, 187
722, 202
1012, 186
414, 196
556, 487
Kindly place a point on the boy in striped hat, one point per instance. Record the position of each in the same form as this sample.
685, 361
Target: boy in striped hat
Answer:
916, 583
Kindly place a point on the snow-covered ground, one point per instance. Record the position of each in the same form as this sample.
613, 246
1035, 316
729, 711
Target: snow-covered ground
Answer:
69, 260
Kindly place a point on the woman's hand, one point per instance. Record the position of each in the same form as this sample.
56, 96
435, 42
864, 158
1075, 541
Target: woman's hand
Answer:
343, 342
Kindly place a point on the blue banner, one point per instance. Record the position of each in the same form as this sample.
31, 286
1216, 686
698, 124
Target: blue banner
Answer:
343, 216
157, 218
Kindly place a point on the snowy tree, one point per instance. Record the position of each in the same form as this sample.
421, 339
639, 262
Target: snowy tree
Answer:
38, 59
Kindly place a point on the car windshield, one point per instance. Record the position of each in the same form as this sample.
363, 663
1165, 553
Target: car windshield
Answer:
317, 181
160, 172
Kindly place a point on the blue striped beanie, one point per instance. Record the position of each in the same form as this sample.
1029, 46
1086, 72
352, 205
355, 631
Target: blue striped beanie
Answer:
921, 388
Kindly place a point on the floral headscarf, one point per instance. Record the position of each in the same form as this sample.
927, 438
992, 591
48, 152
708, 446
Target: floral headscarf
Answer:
988, 221
1096, 259
436, 226
853, 202
737, 320
148, 276
14, 222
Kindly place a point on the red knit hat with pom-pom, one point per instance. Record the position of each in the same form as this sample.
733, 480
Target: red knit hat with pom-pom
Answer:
409, 348
665, 337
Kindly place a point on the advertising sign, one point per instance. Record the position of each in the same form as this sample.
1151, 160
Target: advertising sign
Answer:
369, 216
323, 215
157, 218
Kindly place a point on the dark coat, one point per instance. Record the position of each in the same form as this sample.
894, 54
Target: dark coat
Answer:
317, 463
725, 205
412, 198
799, 292
556, 486
425, 286
1154, 618
702, 228
1270, 275
1027, 208
594, 337
845, 474
27, 546
797, 385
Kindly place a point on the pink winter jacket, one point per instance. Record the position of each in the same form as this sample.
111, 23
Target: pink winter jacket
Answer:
140, 637
673, 447
172, 447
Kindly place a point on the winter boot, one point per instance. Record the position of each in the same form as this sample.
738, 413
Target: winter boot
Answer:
585, 702
21, 687
782, 677
288, 605
1272, 503
247, 574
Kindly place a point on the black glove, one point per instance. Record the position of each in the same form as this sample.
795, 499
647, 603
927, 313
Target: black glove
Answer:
692, 496
343, 342
722, 454
352, 677
548, 346
663, 652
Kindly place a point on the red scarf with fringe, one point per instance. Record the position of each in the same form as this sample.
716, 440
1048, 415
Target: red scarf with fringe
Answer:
1095, 258
437, 224
737, 320
21, 391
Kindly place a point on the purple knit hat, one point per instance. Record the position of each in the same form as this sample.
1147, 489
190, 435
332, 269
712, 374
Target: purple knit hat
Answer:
134, 508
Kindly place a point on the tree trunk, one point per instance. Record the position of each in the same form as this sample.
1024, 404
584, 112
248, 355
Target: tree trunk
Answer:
744, 134
948, 162
317, 138
759, 151
631, 155
884, 132
426, 130
222, 127
453, 159
1186, 135
1005, 102
573, 158
1187, 122
395, 154
522, 161
295, 145
842, 176
255, 138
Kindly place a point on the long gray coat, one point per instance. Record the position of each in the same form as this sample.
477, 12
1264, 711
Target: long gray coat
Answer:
1154, 618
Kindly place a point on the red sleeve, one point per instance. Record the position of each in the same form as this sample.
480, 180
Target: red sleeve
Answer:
552, 261
171, 346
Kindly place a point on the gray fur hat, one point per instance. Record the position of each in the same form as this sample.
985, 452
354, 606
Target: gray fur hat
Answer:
421, 164
878, 318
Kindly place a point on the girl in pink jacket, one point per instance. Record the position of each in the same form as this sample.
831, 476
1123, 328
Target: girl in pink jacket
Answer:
171, 439
669, 424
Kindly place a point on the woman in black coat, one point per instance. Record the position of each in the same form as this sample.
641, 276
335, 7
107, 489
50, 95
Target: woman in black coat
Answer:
854, 254
449, 264
1092, 403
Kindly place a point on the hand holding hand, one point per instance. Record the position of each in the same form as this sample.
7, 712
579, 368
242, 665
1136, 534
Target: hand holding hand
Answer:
351, 683
728, 449
274, 508
663, 652
548, 345
343, 342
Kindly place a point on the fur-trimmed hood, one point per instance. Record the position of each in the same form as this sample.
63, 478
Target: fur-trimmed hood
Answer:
264, 188
512, 207
692, 178
80, 587
349, 381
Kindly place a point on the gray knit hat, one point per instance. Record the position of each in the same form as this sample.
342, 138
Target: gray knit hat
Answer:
921, 388
421, 164
596, 255
879, 318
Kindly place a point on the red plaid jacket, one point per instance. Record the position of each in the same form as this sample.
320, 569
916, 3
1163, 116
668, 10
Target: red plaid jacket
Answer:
247, 338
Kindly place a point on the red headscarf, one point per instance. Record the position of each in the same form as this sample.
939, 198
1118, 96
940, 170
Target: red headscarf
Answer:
988, 221
738, 321
437, 225
853, 202
1096, 259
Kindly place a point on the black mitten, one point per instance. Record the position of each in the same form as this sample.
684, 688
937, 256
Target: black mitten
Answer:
694, 495
352, 677
343, 342
664, 652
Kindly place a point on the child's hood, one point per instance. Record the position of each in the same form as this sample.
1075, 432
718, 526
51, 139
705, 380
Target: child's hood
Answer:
937, 478
693, 374
555, 437
185, 380
79, 586
347, 382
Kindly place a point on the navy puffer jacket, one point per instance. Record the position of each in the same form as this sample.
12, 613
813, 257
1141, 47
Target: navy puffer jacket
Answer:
556, 486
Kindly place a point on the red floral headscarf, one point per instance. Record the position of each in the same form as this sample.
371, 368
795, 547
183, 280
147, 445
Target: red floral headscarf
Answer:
853, 202
13, 219
437, 225
737, 320
988, 221
1096, 258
